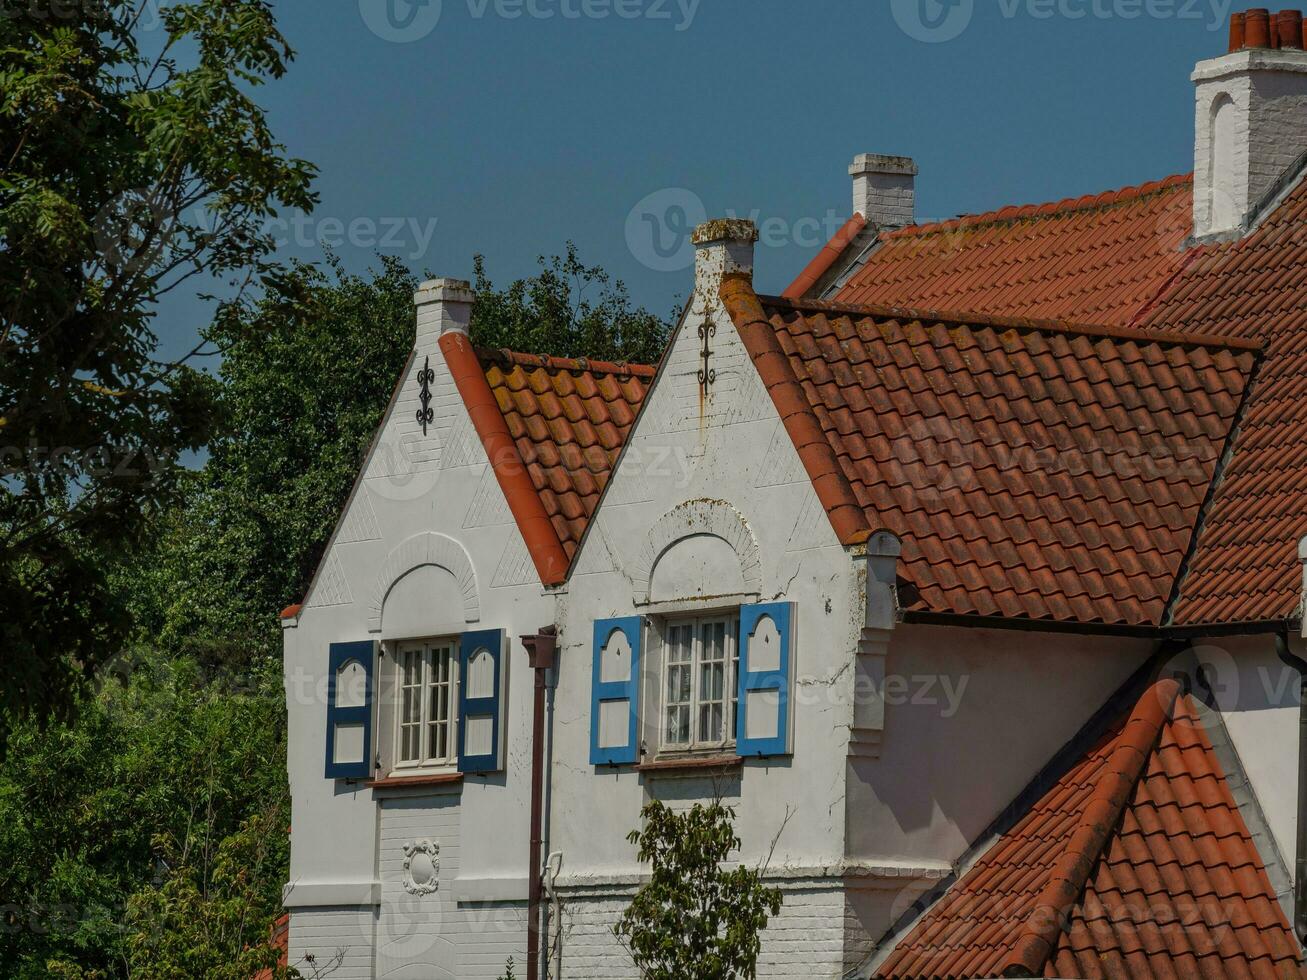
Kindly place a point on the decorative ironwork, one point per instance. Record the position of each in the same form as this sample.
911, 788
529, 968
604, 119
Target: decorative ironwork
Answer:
707, 375
426, 414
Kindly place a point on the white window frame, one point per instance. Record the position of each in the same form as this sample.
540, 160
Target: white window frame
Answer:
427, 650
730, 708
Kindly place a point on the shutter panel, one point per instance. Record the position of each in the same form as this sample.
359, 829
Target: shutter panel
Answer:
481, 670
763, 723
350, 671
615, 692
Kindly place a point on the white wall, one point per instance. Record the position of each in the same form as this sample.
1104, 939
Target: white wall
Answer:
971, 717
1258, 698
730, 457
413, 484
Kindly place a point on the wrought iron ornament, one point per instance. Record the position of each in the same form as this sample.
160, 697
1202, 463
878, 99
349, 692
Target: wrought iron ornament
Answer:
707, 375
426, 415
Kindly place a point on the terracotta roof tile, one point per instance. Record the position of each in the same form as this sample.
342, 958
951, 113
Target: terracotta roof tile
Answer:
1094, 259
1135, 862
1120, 259
1010, 503
569, 420
1245, 566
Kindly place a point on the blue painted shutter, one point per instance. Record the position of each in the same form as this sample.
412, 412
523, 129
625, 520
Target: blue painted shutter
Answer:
615, 703
350, 672
766, 669
480, 701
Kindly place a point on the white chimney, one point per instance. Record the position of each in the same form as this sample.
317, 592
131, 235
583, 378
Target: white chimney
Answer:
1251, 120
443, 306
722, 247
884, 190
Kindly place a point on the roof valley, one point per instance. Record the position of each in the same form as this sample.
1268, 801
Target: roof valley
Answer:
1213, 488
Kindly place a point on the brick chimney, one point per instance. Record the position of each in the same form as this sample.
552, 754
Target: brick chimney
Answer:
884, 190
1251, 120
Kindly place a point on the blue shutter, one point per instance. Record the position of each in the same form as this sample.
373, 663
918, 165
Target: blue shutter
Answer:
350, 672
615, 703
480, 701
766, 668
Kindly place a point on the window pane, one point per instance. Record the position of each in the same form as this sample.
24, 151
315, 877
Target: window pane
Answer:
712, 682
679, 667
410, 704
440, 715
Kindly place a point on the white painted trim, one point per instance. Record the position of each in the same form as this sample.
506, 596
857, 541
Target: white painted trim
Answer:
694, 517
1251, 59
321, 894
415, 552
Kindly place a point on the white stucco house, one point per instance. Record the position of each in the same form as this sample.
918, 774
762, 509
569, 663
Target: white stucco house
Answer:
968, 571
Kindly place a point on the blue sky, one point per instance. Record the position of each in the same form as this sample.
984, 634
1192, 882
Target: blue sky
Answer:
508, 127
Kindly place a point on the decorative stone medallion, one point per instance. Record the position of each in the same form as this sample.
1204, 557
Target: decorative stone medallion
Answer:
421, 867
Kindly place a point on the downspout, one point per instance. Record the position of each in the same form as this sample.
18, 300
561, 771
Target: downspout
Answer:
540, 648
1296, 663
555, 930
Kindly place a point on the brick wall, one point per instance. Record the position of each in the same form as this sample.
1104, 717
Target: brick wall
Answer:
807, 940
338, 940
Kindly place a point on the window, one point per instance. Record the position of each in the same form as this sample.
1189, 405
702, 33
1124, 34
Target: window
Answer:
426, 693
700, 663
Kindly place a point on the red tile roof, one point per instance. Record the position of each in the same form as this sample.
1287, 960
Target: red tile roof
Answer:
1245, 567
568, 420
1094, 259
1033, 470
1120, 258
1135, 863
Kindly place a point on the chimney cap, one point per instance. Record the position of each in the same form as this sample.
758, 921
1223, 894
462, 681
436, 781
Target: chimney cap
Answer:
444, 290
725, 230
880, 163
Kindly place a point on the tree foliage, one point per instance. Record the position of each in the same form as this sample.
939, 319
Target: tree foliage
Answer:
568, 309
695, 917
144, 803
128, 166
305, 378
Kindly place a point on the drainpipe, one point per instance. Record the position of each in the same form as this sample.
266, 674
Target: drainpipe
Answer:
555, 930
540, 649
1287, 656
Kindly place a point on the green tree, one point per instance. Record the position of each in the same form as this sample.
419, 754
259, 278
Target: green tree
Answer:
128, 166
695, 918
305, 378
157, 774
569, 309
209, 915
